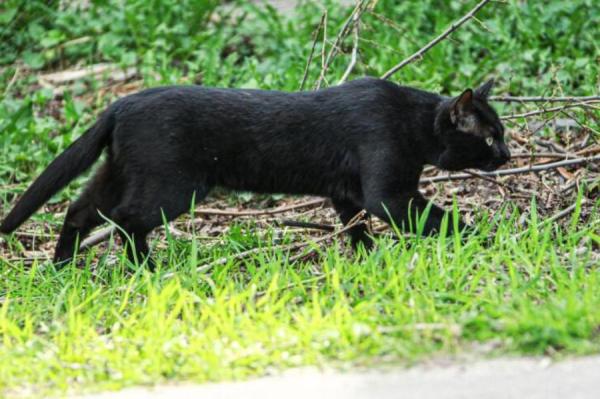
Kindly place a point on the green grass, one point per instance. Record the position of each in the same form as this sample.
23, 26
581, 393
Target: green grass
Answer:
536, 293
520, 283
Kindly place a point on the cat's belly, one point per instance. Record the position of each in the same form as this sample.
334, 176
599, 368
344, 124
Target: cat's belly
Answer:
300, 182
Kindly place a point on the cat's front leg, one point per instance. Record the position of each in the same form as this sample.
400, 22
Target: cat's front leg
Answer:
405, 209
390, 191
359, 234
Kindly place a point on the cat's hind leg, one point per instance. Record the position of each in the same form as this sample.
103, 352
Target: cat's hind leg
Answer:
147, 206
84, 214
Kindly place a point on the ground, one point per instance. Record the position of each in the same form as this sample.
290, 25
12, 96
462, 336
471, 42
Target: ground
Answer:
510, 378
240, 293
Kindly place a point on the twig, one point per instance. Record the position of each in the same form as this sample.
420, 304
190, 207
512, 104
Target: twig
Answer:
581, 125
256, 212
576, 183
512, 171
552, 146
553, 218
98, 237
359, 9
171, 229
307, 225
354, 50
32, 234
563, 213
540, 155
483, 177
103, 234
12, 80
312, 50
70, 75
355, 221
589, 150
290, 285
419, 54
288, 247
542, 99
588, 104
394, 26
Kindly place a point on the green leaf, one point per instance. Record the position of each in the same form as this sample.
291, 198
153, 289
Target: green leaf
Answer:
34, 59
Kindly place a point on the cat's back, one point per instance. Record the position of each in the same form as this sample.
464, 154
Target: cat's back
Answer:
195, 95
362, 102
357, 90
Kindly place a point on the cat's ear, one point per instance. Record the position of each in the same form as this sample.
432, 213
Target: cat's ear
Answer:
483, 91
461, 106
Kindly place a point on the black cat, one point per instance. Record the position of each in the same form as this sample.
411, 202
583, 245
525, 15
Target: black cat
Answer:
363, 144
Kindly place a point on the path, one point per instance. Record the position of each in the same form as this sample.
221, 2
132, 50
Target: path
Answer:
492, 379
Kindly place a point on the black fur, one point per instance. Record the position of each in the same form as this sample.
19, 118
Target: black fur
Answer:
363, 144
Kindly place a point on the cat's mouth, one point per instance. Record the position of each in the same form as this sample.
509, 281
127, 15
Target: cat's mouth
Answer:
489, 168
492, 166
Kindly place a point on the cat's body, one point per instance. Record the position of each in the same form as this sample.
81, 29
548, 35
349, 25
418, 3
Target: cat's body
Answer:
362, 144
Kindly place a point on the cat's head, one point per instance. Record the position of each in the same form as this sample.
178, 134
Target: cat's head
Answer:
471, 133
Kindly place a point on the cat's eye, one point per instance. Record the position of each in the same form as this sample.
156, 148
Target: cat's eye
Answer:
489, 141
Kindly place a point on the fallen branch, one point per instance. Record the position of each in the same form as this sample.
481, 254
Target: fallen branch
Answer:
71, 75
287, 287
512, 171
98, 237
419, 54
540, 155
307, 225
559, 215
589, 150
588, 104
563, 213
483, 177
575, 184
542, 99
356, 220
257, 212
581, 125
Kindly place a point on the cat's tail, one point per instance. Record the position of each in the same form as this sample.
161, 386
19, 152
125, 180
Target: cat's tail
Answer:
76, 159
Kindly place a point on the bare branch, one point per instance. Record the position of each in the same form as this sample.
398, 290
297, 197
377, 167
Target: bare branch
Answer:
98, 237
354, 49
541, 155
419, 54
359, 9
542, 99
483, 177
355, 221
512, 171
256, 212
312, 50
587, 104
307, 225
589, 150
559, 215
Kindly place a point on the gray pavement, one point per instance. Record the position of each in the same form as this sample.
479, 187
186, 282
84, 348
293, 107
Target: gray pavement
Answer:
522, 378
